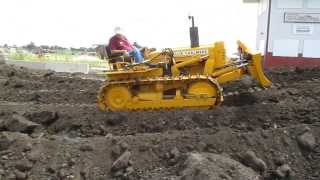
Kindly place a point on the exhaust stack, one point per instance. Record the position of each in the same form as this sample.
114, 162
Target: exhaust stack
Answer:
194, 34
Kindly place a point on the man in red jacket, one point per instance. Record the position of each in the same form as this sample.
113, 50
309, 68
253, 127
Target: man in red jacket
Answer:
120, 44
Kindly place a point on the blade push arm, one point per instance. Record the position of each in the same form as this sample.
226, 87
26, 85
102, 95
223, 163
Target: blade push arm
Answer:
175, 69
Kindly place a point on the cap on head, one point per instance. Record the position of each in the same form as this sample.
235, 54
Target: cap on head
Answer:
118, 30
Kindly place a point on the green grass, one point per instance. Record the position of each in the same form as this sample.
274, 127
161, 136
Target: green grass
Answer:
62, 57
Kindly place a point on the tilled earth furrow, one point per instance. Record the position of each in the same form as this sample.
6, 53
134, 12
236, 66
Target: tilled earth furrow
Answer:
51, 128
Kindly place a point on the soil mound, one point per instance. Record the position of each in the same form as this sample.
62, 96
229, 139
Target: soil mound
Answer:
216, 167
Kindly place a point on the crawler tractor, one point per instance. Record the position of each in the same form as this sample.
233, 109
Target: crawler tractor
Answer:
178, 78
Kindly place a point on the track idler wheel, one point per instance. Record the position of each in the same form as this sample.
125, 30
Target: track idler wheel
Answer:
114, 98
204, 90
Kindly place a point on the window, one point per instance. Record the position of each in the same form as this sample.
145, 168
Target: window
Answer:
313, 4
286, 47
310, 48
287, 4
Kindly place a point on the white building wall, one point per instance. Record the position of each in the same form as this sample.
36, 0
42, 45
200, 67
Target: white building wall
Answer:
289, 39
262, 26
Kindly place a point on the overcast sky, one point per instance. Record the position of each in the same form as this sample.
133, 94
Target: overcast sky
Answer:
157, 23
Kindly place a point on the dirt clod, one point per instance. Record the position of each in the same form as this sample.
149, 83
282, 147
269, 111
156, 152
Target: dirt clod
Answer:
122, 162
215, 167
18, 123
284, 171
24, 165
86, 147
307, 141
115, 119
250, 159
45, 118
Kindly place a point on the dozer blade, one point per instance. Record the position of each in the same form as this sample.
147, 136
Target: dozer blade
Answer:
256, 71
255, 66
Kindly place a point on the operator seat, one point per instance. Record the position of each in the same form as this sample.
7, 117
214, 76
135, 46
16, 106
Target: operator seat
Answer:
117, 60
117, 57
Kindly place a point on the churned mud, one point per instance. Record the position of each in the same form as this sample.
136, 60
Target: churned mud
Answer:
52, 129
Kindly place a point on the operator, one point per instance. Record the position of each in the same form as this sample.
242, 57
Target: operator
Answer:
120, 44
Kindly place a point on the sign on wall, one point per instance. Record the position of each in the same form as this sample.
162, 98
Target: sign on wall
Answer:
251, 1
302, 29
301, 17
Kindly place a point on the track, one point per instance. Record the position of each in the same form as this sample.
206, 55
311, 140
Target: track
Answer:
174, 101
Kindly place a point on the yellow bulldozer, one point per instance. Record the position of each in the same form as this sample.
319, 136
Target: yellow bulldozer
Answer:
178, 78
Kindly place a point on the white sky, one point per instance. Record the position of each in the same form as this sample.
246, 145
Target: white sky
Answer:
155, 23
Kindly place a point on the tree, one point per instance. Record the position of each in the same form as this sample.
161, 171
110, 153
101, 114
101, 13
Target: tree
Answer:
44, 47
31, 46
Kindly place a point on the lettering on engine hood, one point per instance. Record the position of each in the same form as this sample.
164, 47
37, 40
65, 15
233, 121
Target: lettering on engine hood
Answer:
183, 53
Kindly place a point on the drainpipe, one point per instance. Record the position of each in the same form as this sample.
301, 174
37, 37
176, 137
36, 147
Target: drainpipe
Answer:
268, 31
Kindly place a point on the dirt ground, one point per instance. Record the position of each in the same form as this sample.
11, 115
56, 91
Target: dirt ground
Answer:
51, 129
